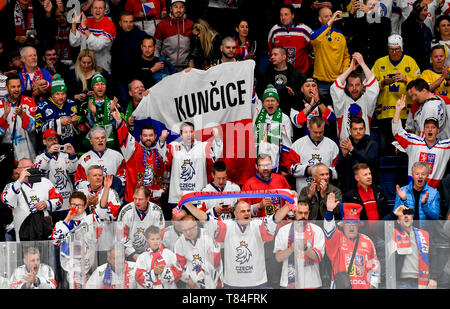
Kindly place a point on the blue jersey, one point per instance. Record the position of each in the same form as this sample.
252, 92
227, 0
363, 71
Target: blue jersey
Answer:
48, 116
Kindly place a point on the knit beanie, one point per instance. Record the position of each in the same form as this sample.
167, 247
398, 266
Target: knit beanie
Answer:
270, 91
97, 77
58, 84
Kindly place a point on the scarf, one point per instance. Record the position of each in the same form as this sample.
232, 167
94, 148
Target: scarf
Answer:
62, 44
157, 259
403, 247
308, 242
153, 168
268, 132
107, 278
241, 50
19, 22
28, 82
102, 113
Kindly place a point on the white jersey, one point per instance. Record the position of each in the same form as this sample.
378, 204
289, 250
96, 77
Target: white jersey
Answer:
188, 166
345, 108
244, 260
135, 225
45, 278
112, 161
146, 276
383, 8
41, 191
59, 167
105, 278
310, 278
200, 260
417, 149
113, 204
208, 205
434, 107
305, 153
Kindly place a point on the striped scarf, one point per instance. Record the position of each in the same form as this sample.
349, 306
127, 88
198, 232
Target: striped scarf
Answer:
269, 132
19, 21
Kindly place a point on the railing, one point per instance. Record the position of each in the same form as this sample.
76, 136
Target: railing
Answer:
100, 256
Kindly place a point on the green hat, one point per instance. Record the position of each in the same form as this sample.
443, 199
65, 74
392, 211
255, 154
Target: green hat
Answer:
58, 84
271, 91
97, 78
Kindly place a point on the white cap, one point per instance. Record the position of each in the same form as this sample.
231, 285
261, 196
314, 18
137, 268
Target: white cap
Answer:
395, 40
173, 1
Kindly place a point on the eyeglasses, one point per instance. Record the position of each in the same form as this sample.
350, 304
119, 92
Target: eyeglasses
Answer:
395, 50
268, 165
77, 205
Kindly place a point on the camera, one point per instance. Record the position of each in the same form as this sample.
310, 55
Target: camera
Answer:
408, 211
63, 148
35, 175
391, 75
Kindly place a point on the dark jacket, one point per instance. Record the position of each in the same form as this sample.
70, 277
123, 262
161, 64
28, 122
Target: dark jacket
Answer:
294, 80
352, 196
318, 205
42, 24
366, 151
125, 49
417, 39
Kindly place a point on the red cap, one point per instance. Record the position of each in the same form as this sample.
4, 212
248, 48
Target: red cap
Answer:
49, 132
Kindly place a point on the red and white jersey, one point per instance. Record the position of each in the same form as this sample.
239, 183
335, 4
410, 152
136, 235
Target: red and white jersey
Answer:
100, 40
59, 167
305, 153
417, 150
345, 108
125, 281
37, 192
135, 224
24, 139
244, 259
436, 107
188, 166
146, 276
208, 205
310, 278
339, 248
200, 260
114, 201
45, 275
144, 166
296, 40
111, 160
256, 183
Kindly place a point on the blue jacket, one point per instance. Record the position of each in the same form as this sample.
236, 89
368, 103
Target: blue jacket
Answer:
428, 211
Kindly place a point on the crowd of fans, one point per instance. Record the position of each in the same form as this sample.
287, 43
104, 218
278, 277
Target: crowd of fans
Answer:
342, 89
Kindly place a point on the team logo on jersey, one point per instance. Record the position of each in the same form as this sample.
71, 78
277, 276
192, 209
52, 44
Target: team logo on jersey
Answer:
48, 112
197, 263
353, 211
394, 88
87, 158
148, 176
187, 170
243, 253
60, 179
139, 241
315, 158
429, 158
290, 53
407, 69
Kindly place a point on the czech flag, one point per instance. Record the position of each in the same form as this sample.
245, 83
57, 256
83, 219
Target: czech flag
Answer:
148, 8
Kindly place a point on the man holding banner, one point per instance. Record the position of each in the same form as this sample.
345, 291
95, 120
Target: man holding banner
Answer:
221, 98
186, 159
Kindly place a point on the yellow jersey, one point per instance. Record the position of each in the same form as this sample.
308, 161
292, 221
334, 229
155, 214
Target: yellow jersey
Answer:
331, 57
430, 76
389, 94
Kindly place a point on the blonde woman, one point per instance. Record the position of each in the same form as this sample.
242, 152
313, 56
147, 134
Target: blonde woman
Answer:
85, 67
205, 45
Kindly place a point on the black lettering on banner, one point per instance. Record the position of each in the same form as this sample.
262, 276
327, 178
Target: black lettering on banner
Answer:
211, 99
234, 102
222, 96
188, 106
241, 91
202, 102
178, 103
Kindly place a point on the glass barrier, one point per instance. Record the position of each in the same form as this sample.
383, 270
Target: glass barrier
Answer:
227, 254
